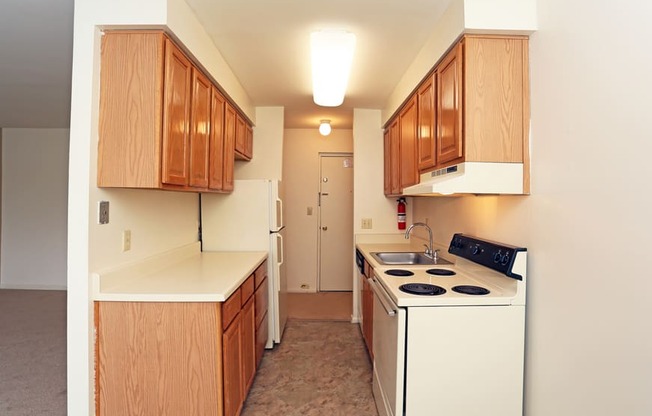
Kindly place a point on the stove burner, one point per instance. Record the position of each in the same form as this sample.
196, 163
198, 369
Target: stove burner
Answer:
440, 272
399, 272
471, 290
422, 289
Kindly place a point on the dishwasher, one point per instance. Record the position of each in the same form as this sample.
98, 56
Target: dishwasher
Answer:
389, 351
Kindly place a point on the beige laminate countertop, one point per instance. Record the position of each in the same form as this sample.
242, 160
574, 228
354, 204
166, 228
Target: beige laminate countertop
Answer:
182, 275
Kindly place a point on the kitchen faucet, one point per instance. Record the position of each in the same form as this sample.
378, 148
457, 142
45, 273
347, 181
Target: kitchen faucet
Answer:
429, 252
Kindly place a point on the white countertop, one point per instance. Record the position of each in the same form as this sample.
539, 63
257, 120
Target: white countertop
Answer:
180, 275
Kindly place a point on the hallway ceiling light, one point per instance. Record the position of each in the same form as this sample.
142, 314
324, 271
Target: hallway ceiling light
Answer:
332, 56
325, 127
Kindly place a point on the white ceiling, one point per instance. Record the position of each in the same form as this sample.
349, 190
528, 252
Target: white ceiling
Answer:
266, 43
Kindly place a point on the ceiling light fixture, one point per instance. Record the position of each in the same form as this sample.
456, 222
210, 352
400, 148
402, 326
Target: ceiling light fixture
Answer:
325, 127
332, 56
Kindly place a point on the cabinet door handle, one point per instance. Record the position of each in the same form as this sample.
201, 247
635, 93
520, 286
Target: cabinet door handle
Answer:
324, 228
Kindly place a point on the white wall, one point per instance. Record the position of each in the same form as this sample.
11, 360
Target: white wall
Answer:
301, 150
34, 208
587, 223
158, 220
369, 200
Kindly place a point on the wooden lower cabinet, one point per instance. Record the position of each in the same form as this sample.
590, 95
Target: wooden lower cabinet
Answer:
248, 334
261, 315
232, 359
179, 358
156, 358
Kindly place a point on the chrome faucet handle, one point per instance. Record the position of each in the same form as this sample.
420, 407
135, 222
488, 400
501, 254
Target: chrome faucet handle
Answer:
434, 254
427, 251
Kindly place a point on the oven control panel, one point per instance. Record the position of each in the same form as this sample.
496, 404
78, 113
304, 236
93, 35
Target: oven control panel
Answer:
496, 256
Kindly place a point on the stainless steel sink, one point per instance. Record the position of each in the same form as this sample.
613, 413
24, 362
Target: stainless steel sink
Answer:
407, 258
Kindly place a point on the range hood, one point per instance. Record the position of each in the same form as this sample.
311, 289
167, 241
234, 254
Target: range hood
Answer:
471, 178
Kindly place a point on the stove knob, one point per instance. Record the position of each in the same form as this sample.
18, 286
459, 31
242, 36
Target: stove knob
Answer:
497, 257
476, 250
505, 259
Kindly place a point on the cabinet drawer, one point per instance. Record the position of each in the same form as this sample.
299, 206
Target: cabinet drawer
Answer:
231, 307
261, 301
247, 289
261, 273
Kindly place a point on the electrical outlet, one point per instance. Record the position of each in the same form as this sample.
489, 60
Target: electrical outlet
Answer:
366, 224
309, 211
103, 212
126, 240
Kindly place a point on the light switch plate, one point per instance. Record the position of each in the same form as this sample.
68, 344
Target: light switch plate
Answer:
366, 224
103, 212
126, 240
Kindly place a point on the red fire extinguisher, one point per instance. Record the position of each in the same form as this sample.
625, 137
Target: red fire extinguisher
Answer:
401, 213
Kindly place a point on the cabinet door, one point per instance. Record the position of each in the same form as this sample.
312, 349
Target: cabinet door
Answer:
229, 146
200, 117
216, 145
249, 142
176, 114
426, 127
248, 333
387, 162
408, 125
232, 366
449, 108
240, 135
395, 157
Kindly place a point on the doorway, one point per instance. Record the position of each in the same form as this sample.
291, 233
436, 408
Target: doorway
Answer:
335, 247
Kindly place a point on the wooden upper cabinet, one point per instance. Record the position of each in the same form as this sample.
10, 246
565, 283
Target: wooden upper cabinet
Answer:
240, 136
249, 142
395, 157
200, 123
408, 128
176, 115
426, 126
496, 99
387, 162
449, 75
216, 142
229, 145
157, 116
243, 139
131, 110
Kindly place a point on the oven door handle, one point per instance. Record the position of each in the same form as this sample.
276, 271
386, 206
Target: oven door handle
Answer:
387, 304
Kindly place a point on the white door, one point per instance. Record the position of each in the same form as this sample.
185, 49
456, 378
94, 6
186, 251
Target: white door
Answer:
336, 222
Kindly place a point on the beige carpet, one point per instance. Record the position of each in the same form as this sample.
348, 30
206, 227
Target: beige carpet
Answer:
331, 306
32, 352
320, 368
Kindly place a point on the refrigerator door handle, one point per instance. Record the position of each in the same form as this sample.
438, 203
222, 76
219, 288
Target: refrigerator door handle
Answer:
279, 213
281, 255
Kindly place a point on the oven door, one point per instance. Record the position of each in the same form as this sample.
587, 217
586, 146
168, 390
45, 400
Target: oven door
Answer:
389, 352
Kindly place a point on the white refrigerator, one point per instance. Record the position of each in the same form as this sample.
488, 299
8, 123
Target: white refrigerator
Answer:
251, 219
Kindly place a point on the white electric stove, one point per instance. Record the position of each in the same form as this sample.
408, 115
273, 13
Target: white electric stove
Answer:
449, 340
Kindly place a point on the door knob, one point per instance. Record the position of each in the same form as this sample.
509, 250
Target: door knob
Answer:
324, 228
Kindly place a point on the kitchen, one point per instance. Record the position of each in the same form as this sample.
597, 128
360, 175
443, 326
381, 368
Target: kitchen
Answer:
577, 206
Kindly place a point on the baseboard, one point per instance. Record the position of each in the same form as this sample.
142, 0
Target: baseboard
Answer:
32, 287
